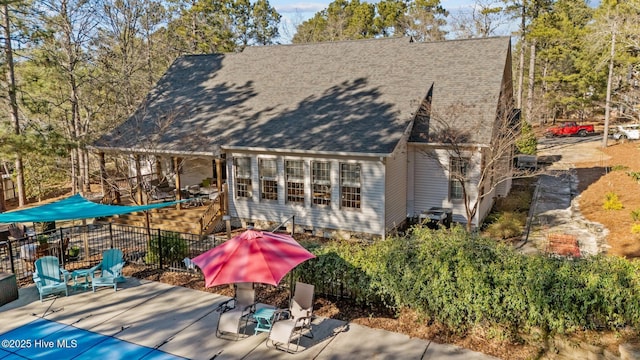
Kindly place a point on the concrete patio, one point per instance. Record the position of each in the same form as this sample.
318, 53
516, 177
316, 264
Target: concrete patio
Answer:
182, 322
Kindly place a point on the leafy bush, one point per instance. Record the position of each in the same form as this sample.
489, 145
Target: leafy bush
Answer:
635, 214
174, 248
527, 143
612, 202
462, 280
619, 167
635, 175
507, 225
635, 229
516, 201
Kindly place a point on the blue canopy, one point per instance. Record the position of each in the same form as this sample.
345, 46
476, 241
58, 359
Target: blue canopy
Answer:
74, 207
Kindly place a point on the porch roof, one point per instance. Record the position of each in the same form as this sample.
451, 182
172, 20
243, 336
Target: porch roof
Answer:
346, 97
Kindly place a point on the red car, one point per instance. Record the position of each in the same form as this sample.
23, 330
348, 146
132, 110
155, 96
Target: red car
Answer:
570, 128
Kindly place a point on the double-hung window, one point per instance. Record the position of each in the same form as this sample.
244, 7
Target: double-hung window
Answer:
350, 186
268, 179
321, 182
457, 176
294, 170
243, 177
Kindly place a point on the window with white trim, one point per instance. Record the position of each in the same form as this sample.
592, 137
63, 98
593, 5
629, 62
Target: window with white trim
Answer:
294, 171
243, 177
321, 183
268, 179
350, 186
457, 175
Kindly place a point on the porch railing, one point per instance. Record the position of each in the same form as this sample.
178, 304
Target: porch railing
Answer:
212, 216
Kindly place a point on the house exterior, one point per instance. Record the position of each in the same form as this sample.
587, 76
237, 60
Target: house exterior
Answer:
339, 134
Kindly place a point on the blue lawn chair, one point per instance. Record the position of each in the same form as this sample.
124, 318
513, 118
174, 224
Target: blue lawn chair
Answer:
110, 270
49, 277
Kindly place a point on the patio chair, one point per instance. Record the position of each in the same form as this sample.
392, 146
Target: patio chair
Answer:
49, 277
293, 323
236, 311
16, 232
110, 270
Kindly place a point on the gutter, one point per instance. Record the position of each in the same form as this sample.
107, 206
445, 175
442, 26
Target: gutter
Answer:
150, 151
306, 152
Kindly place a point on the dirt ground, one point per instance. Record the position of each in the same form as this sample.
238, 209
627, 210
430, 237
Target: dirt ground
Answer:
596, 179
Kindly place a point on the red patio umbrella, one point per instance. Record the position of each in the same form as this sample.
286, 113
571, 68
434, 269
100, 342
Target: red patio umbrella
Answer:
253, 256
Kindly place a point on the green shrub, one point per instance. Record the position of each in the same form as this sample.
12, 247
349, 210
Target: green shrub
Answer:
635, 229
612, 202
635, 215
462, 280
527, 142
174, 248
507, 225
515, 201
619, 167
635, 175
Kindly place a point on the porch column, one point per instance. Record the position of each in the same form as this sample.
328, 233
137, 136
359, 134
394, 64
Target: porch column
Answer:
103, 172
176, 164
219, 174
158, 169
138, 178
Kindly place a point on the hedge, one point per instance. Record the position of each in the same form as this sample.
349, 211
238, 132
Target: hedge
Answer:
463, 280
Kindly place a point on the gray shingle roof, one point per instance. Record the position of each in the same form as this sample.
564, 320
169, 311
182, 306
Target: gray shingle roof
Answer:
351, 96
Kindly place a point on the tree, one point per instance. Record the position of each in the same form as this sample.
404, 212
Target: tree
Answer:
390, 19
352, 20
425, 20
527, 11
68, 33
342, 20
202, 27
9, 38
265, 23
482, 19
612, 43
627, 76
566, 74
476, 171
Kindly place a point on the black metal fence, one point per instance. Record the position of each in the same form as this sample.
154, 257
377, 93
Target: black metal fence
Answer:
82, 246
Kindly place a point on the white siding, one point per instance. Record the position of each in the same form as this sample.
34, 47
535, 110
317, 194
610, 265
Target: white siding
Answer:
431, 181
368, 219
395, 194
485, 206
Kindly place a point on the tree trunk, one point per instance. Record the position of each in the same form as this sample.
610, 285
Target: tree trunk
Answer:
3, 207
74, 171
607, 111
13, 103
531, 85
521, 61
85, 171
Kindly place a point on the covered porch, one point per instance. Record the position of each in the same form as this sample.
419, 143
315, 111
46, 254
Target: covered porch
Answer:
148, 177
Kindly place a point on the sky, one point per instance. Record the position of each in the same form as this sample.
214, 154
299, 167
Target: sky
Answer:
295, 12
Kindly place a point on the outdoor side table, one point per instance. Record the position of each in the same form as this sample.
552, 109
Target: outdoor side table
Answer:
86, 273
264, 318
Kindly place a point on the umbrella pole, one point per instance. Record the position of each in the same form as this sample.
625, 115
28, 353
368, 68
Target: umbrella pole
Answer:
291, 285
